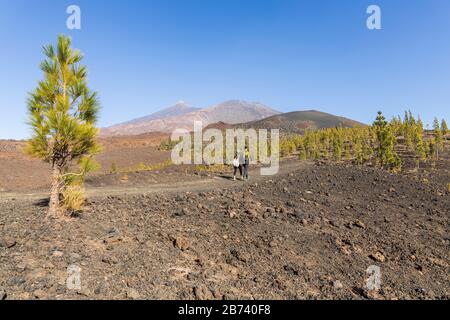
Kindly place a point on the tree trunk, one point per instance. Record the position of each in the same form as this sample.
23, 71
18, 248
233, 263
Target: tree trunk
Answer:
54, 196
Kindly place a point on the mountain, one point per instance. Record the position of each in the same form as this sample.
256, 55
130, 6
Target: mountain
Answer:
231, 112
299, 121
180, 108
236, 111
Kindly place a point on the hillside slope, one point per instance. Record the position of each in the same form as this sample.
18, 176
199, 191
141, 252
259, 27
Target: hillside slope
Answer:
299, 121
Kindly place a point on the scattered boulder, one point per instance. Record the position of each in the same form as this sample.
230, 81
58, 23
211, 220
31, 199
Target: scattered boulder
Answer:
438, 262
232, 213
292, 269
103, 288
252, 213
270, 210
57, 253
239, 255
182, 243
182, 212
337, 284
378, 256
133, 294
372, 295
201, 292
359, 224
74, 257
7, 242
299, 214
113, 236
39, 294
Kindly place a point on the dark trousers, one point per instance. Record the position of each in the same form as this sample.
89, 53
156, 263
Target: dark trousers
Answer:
235, 170
245, 165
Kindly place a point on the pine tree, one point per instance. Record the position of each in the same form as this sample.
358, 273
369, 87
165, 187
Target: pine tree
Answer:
338, 144
438, 137
419, 145
397, 126
432, 151
301, 149
444, 127
358, 150
408, 130
386, 142
62, 114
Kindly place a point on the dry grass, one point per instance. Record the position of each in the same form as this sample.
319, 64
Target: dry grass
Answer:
143, 167
212, 168
74, 198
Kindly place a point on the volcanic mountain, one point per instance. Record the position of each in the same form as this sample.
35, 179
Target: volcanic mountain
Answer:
299, 121
179, 109
232, 112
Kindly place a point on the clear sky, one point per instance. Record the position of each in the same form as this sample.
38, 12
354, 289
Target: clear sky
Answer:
143, 56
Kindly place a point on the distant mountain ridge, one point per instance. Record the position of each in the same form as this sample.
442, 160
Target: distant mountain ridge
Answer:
299, 121
180, 108
178, 117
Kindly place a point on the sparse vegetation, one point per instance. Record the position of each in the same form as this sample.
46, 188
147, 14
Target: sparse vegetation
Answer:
211, 168
74, 198
444, 127
143, 167
113, 167
438, 138
167, 145
376, 144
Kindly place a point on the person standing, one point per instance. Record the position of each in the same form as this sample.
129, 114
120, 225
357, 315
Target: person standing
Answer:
236, 166
246, 162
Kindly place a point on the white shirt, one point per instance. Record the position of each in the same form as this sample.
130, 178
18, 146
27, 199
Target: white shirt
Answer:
241, 158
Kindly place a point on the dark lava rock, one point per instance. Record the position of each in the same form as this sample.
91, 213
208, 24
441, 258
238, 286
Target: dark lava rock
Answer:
7, 242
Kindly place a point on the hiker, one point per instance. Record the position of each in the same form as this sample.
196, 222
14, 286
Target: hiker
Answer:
236, 166
246, 162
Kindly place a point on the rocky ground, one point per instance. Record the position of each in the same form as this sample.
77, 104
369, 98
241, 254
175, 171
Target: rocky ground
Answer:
310, 232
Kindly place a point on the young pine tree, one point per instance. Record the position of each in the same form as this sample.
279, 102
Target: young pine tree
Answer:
337, 144
438, 138
62, 115
420, 147
301, 148
432, 151
386, 154
444, 127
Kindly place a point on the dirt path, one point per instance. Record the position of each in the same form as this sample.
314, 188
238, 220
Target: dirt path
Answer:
184, 185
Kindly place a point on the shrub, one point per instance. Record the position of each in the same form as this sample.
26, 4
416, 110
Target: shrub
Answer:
214, 168
113, 167
74, 198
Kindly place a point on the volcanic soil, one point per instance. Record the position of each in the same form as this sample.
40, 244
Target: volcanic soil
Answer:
310, 232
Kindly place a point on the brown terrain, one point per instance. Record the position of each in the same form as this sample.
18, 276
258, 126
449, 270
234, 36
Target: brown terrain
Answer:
20, 173
174, 232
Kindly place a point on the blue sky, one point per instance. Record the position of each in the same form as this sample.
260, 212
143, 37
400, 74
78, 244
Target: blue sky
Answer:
288, 54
